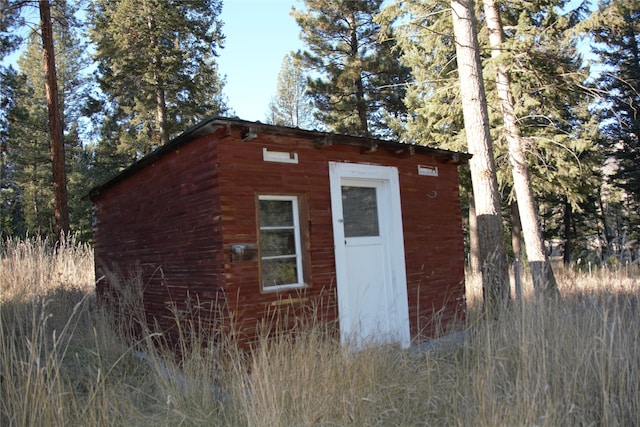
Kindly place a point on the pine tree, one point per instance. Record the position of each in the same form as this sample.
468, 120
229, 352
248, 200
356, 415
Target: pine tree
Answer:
11, 218
559, 132
27, 133
424, 36
615, 28
28, 143
539, 266
56, 144
291, 106
10, 208
157, 65
10, 19
546, 80
495, 277
361, 83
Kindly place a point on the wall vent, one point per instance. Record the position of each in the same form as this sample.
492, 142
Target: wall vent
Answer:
279, 156
427, 170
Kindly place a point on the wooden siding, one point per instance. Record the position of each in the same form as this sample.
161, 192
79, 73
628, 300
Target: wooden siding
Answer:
163, 225
176, 220
431, 220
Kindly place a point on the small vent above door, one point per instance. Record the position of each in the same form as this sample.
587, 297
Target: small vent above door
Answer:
427, 170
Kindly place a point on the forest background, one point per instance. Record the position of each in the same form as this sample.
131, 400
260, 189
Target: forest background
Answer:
132, 75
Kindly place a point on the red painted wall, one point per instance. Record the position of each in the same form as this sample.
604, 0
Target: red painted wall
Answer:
163, 225
177, 219
431, 219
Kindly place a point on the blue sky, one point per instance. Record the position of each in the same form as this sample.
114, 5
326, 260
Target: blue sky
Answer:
259, 33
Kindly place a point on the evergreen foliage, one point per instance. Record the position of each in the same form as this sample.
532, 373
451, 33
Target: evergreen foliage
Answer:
547, 76
291, 106
358, 84
10, 19
156, 66
28, 202
615, 28
424, 35
11, 218
28, 147
385, 73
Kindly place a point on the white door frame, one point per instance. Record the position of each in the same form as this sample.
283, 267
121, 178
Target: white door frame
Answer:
390, 225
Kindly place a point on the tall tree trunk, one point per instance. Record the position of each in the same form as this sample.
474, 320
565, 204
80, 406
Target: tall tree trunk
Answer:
516, 232
362, 107
516, 244
34, 198
61, 212
544, 280
161, 104
606, 229
474, 245
161, 109
493, 259
361, 104
568, 238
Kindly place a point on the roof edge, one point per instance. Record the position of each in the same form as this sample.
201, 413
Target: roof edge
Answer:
212, 124
205, 127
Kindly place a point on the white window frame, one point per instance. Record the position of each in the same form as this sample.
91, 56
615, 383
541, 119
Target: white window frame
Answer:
298, 245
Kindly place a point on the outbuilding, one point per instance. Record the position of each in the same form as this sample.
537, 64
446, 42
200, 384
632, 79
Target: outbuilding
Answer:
240, 222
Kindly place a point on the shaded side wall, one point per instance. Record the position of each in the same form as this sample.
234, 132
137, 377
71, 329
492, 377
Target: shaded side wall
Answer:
431, 219
163, 224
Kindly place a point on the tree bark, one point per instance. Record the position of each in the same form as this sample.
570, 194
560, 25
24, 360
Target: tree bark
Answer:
541, 272
161, 107
161, 104
516, 232
361, 104
516, 244
61, 212
493, 260
568, 238
474, 245
34, 198
606, 229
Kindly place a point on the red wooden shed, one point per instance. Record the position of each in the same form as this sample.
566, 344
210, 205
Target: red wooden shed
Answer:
242, 220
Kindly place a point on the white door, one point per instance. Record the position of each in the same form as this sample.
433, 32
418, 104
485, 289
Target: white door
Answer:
369, 251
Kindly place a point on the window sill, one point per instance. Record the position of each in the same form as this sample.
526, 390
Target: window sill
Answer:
278, 288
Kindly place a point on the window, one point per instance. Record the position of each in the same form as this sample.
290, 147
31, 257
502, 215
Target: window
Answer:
360, 211
280, 248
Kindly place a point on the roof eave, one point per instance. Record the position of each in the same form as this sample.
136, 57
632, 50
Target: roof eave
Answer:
205, 127
213, 124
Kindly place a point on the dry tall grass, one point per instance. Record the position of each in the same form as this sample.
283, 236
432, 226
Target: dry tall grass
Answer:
571, 362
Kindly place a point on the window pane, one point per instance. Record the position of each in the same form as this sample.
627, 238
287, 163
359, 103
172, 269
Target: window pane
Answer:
279, 272
277, 242
359, 211
276, 213
281, 262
